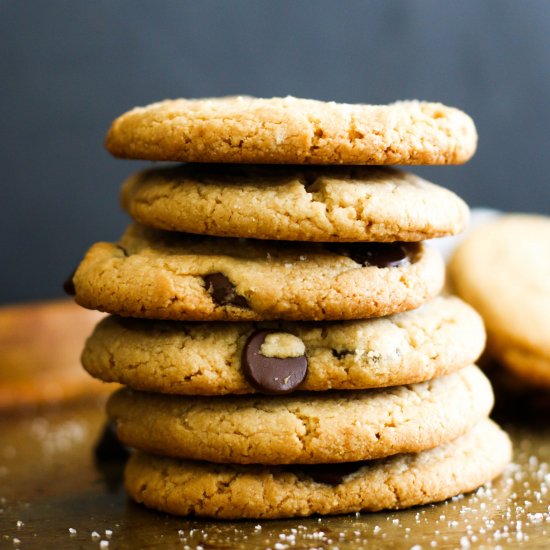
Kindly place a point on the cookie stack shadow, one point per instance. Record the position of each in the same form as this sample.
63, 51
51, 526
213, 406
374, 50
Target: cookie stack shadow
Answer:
276, 320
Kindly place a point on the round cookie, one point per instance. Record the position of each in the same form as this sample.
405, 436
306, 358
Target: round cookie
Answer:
441, 337
303, 428
503, 269
332, 203
162, 275
293, 131
30, 374
531, 368
232, 492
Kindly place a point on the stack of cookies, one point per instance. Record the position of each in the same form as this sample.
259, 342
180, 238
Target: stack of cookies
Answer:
275, 313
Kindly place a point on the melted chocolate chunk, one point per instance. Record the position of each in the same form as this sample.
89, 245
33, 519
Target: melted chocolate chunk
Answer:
223, 291
271, 374
68, 285
330, 474
342, 353
377, 254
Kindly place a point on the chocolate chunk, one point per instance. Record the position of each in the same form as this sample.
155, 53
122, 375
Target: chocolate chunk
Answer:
223, 291
339, 354
330, 474
271, 374
68, 285
377, 254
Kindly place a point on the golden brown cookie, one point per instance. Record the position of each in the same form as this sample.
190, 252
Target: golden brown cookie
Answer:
441, 337
503, 269
529, 367
293, 131
40, 345
162, 275
230, 492
303, 428
331, 203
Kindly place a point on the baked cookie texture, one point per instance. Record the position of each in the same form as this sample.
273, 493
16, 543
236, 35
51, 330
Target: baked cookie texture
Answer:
531, 368
303, 428
290, 130
162, 275
441, 337
275, 311
39, 377
503, 269
227, 491
331, 203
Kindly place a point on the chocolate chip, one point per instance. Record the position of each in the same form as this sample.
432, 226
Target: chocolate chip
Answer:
377, 254
68, 285
330, 474
271, 374
223, 291
341, 353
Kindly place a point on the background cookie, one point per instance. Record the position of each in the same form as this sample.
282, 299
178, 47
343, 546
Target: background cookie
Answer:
503, 269
442, 336
31, 374
227, 491
290, 130
325, 204
164, 275
303, 428
529, 367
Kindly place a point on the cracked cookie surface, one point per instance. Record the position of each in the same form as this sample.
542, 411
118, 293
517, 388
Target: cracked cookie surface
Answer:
352, 203
304, 428
290, 130
226, 491
163, 275
441, 337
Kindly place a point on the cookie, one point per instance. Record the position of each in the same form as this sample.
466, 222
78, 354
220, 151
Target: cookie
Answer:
332, 203
529, 367
303, 427
30, 374
503, 269
441, 337
231, 492
293, 131
162, 275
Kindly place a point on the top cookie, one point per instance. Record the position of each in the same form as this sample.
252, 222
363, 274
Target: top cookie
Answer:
503, 269
293, 131
330, 203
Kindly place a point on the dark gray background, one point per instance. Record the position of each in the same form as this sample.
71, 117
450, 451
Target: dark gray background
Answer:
69, 67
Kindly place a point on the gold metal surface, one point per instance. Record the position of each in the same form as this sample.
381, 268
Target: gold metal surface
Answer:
53, 495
